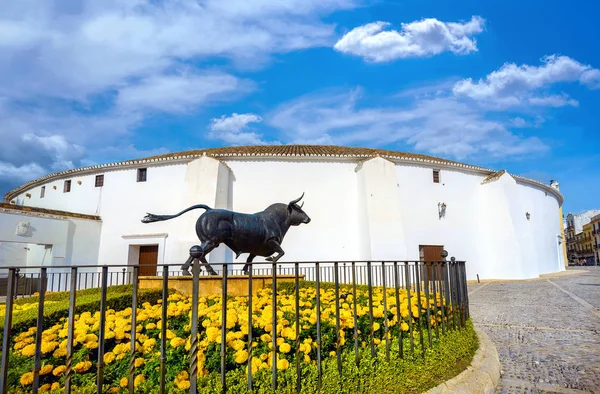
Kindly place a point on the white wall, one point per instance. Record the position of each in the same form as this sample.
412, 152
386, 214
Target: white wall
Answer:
73, 241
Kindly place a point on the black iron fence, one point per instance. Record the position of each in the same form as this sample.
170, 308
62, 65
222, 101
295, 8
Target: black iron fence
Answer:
438, 290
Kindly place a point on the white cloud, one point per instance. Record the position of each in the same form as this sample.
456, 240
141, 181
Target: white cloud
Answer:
179, 93
422, 38
75, 49
442, 126
86, 73
513, 85
234, 129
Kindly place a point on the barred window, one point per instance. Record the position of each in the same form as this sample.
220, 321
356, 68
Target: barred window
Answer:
436, 176
43, 192
142, 174
99, 180
67, 186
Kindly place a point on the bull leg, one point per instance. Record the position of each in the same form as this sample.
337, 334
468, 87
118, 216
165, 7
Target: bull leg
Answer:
249, 260
185, 268
275, 245
206, 249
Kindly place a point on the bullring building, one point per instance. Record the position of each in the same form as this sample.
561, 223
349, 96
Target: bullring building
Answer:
364, 204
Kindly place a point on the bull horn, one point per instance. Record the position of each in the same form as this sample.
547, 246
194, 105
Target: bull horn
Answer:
301, 205
296, 200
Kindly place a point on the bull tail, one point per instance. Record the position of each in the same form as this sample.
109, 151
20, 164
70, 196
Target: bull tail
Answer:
149, 218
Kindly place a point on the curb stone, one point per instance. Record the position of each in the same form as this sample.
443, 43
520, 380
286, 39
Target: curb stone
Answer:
481, 376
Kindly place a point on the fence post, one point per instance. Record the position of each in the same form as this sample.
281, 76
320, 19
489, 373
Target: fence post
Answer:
7, 328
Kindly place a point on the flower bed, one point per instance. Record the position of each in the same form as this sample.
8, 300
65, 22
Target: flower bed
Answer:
148, 328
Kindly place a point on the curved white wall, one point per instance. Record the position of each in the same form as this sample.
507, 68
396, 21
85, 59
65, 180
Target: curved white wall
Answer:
373, 209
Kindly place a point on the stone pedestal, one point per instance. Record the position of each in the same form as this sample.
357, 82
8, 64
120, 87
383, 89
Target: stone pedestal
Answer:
237, 285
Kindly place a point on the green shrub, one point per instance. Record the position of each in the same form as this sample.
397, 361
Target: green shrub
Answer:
88, 300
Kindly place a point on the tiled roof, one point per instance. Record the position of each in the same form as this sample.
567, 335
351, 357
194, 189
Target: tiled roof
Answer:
274, 151
494, 176
21, 208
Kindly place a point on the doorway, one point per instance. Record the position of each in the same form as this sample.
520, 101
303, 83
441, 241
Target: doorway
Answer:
148, 260
429, 253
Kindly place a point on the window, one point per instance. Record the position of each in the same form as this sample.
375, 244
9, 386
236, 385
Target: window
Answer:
67, 186
141, 175
99, 180
43, 192
436, 176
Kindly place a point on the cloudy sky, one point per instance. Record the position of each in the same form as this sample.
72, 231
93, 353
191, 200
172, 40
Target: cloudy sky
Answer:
502, 84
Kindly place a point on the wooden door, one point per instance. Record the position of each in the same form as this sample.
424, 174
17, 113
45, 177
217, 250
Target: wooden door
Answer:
430, 253
148, 260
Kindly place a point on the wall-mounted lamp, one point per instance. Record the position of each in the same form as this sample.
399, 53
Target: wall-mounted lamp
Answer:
442, 209
79, 182
28, 195
527, 215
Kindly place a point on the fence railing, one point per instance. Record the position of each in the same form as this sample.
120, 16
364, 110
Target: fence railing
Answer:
439, 287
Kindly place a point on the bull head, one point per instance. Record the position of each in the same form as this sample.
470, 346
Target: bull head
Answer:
297, 215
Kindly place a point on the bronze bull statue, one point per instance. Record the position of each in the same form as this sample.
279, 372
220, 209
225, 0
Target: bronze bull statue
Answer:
259, 234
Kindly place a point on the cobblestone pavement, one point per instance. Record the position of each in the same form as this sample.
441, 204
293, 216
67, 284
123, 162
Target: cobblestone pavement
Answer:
546, 331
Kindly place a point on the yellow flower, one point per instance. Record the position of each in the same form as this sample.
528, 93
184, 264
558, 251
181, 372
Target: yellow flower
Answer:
404, 326
82, 367
212, 333
45, 387
138, 380
376, 326
176, 342
60, 352
59, 371
55, 386
241, 356
150, 326
139, 362
91, 345
285, 347
27, 379
183, 384
46, 369
183, 375
124, 382
109, 357
28, 351
283, 364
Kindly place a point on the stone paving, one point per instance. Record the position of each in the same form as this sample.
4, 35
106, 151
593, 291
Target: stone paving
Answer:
546, 331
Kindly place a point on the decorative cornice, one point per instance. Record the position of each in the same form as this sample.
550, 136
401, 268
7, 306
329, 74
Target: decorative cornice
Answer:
43, 212
32, 214
153, 235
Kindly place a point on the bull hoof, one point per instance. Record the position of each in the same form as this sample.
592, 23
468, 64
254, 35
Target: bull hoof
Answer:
270, 258
245, 271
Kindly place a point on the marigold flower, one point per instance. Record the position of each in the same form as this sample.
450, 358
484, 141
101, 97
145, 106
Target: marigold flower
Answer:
285, 347
176, 342
138, 380
241, 356
124, 382
55, 386
29, 350
82, 367
46, 369
109, 357
27, 379
283, 364
139, 362
45, 387
59, 371
183, 384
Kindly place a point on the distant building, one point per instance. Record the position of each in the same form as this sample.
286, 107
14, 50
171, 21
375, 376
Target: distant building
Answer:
596, 237
579, 236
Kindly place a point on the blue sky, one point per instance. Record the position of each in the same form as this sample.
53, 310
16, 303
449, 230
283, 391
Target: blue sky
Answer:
507, 85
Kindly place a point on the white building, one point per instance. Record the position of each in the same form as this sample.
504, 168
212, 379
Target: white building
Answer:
365, 204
